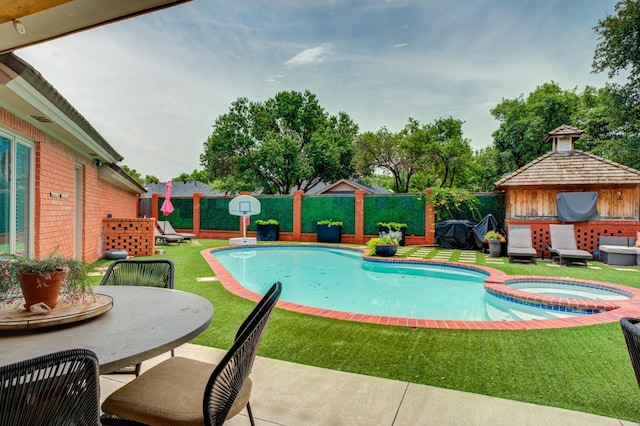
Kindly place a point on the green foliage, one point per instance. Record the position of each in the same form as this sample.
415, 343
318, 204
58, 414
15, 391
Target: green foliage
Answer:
288, 142
494, 235
447, 202
74, 284
393, 226
267, 222
195, 176
619, 42
437, 151
391, 238
330, 222
525, 123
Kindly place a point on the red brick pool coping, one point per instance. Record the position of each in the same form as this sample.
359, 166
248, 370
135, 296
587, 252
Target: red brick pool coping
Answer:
496, 282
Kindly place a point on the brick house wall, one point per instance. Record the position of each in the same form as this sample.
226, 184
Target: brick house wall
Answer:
55, 168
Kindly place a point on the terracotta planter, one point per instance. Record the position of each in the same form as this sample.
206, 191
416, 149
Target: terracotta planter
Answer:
386, 250
495, 247
35, 288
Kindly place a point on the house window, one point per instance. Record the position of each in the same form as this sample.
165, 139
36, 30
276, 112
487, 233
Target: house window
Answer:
16, 194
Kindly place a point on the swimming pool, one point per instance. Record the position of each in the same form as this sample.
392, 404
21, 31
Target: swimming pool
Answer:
505, 307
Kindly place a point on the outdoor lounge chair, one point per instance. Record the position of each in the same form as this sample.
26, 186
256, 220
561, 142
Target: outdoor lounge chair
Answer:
166, 239
186, 391
61, 388
166, 229
564, 247
519, 244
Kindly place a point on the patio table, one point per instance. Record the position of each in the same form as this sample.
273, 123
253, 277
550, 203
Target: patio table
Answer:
144, 322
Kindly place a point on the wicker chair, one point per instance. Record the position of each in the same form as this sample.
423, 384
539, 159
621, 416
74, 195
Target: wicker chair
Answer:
631, 332
148, 273
62, 388
187, 391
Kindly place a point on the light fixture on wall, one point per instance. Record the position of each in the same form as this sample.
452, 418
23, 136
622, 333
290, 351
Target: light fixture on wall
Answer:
619, 194
98, 162
19, 27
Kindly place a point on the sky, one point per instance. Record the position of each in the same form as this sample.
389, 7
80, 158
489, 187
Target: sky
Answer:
154, 85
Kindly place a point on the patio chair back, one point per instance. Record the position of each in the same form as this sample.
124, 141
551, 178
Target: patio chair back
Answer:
148, 273
631, 332
232, 372
62, 388
563, 237
519, 236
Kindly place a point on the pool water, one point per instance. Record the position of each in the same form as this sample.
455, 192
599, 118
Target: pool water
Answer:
574, 291
341, 280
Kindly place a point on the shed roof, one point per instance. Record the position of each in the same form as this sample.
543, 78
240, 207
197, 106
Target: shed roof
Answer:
347, 186
570, 168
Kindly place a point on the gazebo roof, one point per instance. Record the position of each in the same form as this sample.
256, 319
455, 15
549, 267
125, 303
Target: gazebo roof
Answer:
570, 168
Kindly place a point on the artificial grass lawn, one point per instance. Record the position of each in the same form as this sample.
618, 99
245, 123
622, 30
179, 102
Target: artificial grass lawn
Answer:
579, 368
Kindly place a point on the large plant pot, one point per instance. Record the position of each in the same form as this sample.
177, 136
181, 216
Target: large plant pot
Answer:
35, 288
329, 234
386, 230
495, 247
267, 232
386, 250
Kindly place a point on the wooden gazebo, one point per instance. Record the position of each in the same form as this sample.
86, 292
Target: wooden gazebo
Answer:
532, 192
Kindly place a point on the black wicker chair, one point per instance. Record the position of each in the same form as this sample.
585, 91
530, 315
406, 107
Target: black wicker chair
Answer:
631, 332
62, 388
148, 273
187, 391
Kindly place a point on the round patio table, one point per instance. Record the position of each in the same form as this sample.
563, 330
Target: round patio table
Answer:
144, 322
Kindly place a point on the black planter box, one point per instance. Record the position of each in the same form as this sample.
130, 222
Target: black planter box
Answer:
268, 232
329, 234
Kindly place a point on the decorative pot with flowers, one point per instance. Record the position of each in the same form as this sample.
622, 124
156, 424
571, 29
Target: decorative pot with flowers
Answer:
393, 226
267, 230
386, 244
329, 231
41, 281
495, 240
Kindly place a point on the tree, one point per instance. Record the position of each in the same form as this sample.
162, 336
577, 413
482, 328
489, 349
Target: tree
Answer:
288, 142
396, 153
448, 153
138, 177
619, 46
524, 123
195, 176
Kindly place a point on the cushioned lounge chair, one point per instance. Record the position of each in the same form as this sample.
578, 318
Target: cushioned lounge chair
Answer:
166, 229
564, 247
519, 245
186, 391
166, 239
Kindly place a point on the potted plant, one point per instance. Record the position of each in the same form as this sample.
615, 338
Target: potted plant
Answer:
42, 280
267, 230
386, 244
495, 240
329, 231
393, 226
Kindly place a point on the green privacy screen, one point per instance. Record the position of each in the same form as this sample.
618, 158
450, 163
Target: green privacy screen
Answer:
275, 207
409, 209
322, 207
182, 215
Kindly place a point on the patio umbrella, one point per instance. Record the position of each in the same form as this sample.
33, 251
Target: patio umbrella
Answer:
167, 207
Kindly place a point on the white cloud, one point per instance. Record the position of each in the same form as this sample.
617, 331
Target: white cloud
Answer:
399, 45
313, 55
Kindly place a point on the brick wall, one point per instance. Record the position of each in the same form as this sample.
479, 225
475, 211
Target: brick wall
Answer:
55, 165
136, 236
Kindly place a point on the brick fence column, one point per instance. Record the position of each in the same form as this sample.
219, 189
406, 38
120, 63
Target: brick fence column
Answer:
297, 215
358, 236
429, 220
197, 196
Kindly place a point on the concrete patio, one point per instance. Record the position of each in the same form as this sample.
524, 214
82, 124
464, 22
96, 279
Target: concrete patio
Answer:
291, 394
